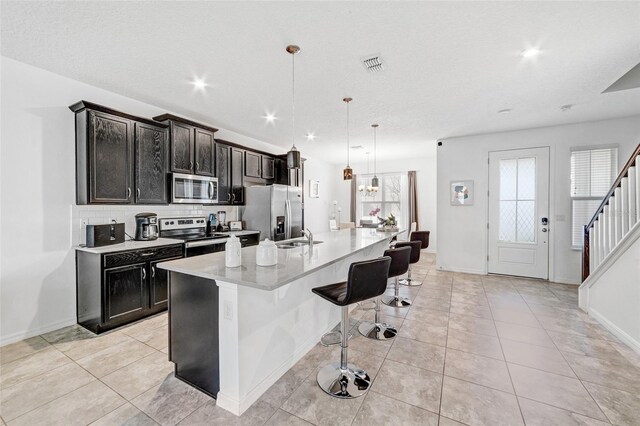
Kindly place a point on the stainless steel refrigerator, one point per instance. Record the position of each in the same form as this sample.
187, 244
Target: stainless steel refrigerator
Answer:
274, 210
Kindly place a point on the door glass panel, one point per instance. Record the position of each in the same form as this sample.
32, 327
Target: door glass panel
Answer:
517, 200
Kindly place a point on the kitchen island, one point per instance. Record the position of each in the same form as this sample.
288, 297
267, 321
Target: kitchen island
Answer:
233, 332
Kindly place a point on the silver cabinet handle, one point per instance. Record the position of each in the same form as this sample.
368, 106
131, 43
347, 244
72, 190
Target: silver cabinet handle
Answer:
233, 198
149, 253
144, 273
153, 272
137, 192
190, 164
229, 196
128, 193
197, 166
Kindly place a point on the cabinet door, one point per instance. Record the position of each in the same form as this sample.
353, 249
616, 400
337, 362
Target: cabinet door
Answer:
181, 148
158, 285
151, 164
251, 164
110, 158
125, 292
237, 175
223, 173
268, 167
204, 152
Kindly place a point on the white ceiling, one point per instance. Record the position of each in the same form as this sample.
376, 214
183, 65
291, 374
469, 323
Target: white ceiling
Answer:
449, 66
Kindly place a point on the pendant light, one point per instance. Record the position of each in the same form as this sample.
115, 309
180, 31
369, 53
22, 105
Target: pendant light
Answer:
375, 184
293, 156
347, 173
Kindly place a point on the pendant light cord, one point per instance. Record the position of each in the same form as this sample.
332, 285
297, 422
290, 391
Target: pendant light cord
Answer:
347, 134
375, 152
293, 100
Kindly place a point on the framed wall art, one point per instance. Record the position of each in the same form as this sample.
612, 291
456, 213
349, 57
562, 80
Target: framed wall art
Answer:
462, 193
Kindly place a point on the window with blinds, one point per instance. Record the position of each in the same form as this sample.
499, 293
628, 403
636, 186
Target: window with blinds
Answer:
592, 174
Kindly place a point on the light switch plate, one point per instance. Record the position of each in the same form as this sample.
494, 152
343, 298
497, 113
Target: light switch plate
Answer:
228, 310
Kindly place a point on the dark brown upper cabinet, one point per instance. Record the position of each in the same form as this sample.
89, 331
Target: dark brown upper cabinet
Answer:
252, 164
268, 169
192, 145
237, 176
151, 144
106, 150
223, 173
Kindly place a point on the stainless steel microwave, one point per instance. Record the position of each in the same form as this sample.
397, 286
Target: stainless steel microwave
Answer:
193, 189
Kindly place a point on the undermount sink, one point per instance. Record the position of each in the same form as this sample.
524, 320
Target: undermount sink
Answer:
294, 244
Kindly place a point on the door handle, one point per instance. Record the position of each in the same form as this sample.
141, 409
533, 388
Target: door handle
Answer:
544, 229
144, 273
190, 165
128, 193
137, 192
210, 189
196, 166
153, 272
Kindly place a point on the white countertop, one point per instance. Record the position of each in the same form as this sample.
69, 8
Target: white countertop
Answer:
239, 233
130, 245
292, 263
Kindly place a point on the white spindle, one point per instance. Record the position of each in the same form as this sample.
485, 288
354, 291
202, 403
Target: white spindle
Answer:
624, 205
592, 245
638, 188
617, 202
633, 196
606, 234
601, 226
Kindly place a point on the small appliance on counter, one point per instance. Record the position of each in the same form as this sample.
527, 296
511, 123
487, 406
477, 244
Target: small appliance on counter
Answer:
146, 226
222, 222
235, 225
104, 235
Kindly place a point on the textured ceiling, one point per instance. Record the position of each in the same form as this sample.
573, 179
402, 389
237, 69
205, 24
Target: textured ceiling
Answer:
448, 66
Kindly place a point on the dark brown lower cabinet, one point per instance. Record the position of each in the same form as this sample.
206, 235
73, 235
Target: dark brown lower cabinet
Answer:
117, 288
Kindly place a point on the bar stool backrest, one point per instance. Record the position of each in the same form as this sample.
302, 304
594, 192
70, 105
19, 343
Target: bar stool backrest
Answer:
415, 249
367, 279
422, 236
399, 260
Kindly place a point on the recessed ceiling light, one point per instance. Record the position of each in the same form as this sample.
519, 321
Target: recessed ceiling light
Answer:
310, 136
530, 52
199, 83
566, 107
269, 117
504, 111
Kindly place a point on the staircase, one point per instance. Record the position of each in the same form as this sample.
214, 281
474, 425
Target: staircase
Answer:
610, 290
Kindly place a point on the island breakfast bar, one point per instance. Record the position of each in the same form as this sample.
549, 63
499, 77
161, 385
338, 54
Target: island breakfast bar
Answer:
233, 332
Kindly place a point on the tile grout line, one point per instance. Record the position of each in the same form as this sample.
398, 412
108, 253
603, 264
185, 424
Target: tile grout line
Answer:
444, 363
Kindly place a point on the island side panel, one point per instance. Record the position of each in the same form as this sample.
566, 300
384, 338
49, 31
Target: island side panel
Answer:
275, 329
193, 322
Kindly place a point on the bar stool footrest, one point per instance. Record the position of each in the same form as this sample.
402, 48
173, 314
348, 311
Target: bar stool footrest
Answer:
332, 338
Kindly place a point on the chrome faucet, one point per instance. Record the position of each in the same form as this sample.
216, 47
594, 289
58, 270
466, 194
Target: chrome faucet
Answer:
309, 235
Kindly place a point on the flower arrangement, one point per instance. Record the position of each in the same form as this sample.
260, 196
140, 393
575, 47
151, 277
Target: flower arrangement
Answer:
389, 221
374, 212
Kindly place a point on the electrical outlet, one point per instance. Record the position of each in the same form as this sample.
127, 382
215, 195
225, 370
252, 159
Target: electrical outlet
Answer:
228, 310
83, 224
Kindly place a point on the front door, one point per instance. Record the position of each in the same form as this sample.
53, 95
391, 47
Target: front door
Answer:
518, 212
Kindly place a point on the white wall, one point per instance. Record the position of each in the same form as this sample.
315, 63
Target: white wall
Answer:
462, 230
37, 232
426, 178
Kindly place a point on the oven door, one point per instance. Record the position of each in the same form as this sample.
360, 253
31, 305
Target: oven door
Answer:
198, 248
192, 189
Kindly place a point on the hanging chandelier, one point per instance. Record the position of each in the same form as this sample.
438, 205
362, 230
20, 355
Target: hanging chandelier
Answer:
367, 191
347, 173
375, 183
293, 156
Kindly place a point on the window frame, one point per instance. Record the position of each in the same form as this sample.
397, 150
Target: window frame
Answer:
382, 191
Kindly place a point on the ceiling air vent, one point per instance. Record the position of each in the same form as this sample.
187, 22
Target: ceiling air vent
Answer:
373, 63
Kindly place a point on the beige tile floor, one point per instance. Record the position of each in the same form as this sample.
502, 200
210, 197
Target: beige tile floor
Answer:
471, 350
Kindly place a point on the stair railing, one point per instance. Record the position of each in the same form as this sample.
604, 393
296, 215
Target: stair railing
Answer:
614, 218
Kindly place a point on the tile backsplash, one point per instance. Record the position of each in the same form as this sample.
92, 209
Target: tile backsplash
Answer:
98, 215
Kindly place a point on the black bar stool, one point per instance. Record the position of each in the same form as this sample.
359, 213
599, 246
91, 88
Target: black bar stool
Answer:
423, 237
377, 330
412, 257
366, 280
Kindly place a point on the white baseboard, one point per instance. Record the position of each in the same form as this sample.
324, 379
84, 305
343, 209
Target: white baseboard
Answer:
615, 330
238, 407
22, 335
462, 270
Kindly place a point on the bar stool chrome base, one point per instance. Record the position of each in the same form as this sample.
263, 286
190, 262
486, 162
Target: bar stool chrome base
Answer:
377, 331
349, 383
333, 338
409, 282
396, 301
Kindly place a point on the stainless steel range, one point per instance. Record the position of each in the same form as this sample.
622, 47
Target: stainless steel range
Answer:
193, 230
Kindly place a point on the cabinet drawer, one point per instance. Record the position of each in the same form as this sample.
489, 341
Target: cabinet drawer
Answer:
134, 256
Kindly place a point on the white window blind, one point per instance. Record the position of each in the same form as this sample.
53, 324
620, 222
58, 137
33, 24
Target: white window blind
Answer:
592, 174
